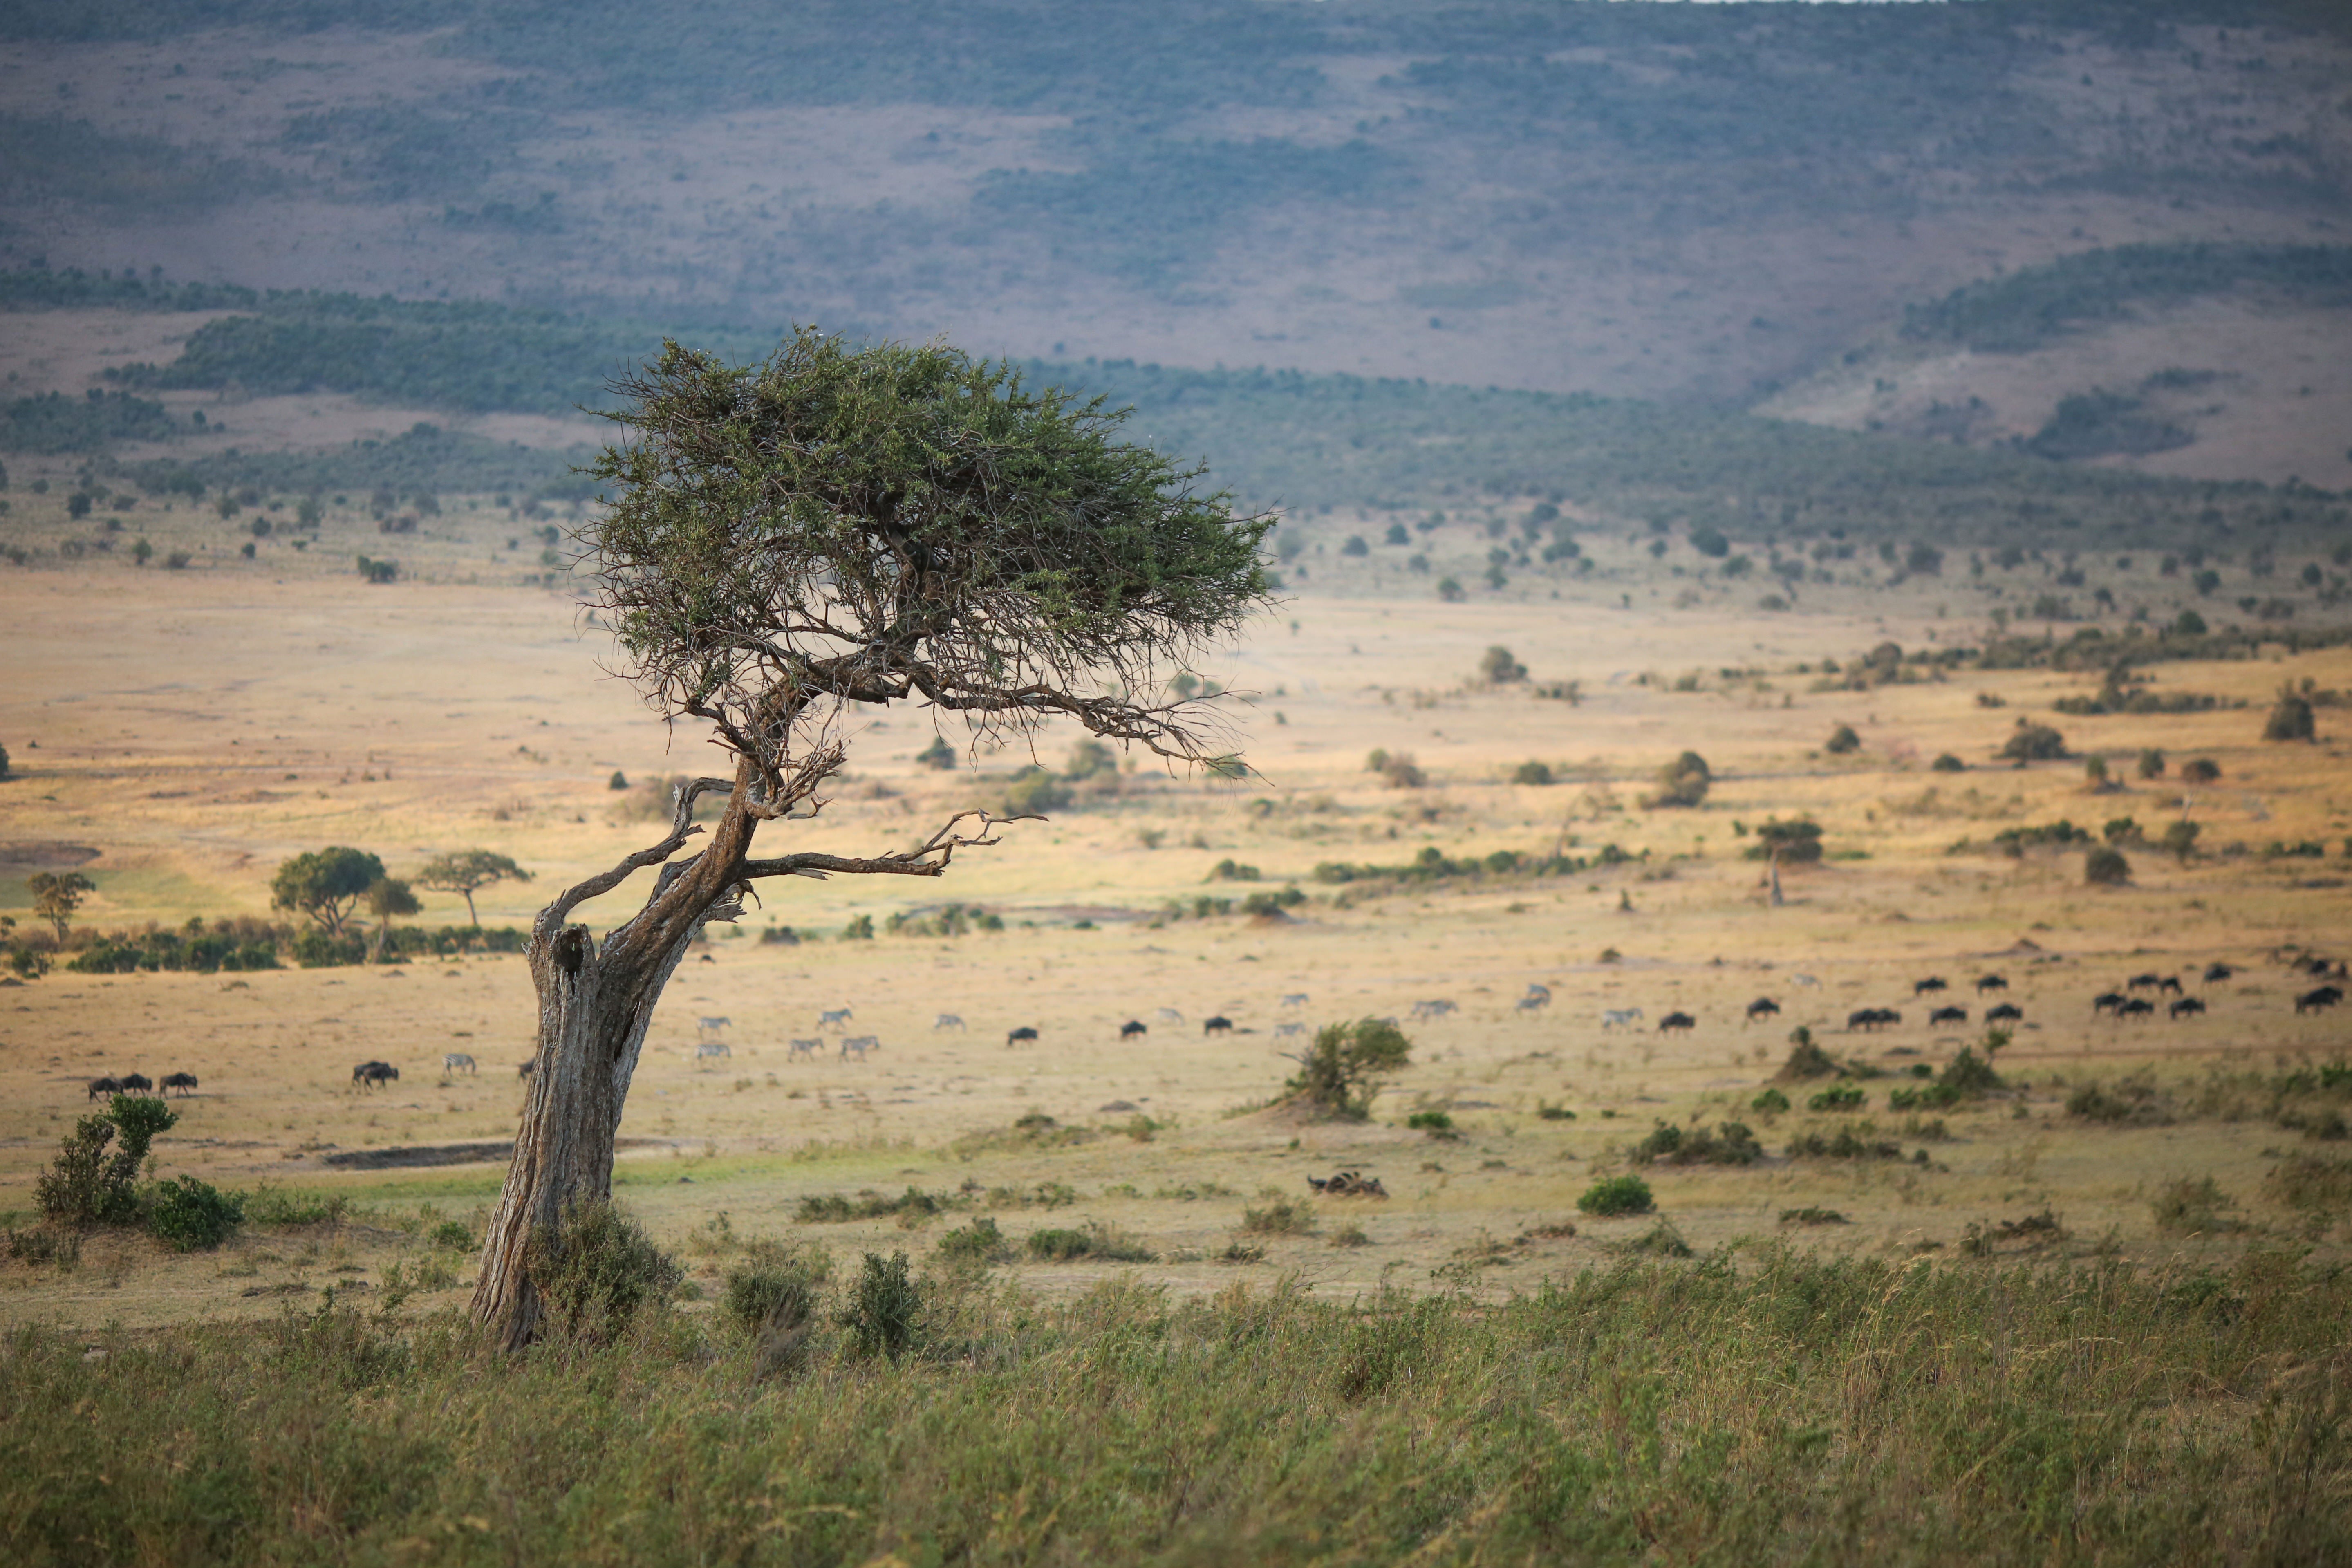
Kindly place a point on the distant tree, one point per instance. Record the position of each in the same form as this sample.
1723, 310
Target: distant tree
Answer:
2179, 840
57, 894
2188, 623
142, 551
1842, 741
1396, 534
77, 504
386, 897
1681, 782
1450, 590
1797, 843
1533, 773
1337, 1075
468, 871
1708, 542
2032, 743
1498, 667
1948, 764
5, 773
325, 885
619, 780
2151, 763
2291, 718
1355, 546
2105, 867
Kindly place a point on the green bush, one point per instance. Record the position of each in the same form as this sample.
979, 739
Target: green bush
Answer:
1772, 1102
772, 1293
1681, 782
1837, 1096
2105, 867
2185, 1207
191, 1215
883, 1313
1338, 1073
1436, 1123
87, 1185
453, 1235
1533, 773
1731, 1143
978, 1242
2033, 743
1842, 741
595, 1271
1616, 1196
2291, 718
274, 1207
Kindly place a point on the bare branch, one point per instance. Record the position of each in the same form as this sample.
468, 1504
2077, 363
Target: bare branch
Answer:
682, 828
916, 862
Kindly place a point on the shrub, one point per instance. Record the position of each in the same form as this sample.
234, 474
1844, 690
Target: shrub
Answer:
1498, 667
275, 1206
2151, 763
191, 1215
1436, 1123
375, 571
937, 754
2184, 1207
1532, 773
772, 1299
86, 1186
1731, 1143
1806, 1059
978, 1242
1337, 1075
1772, 1102
2181, 840
885, 1310
1681, 782
2199, 770
1615, 1195
595, 1270
1797, 843
452, 1233
1812, 1216
1847, 1145
1948, 764
2033, 743
2310, 1182
1450, 590
1282, 1217
1842, 741
2291, 717
1058, 1246
1032, 792
2134, 1101
1661, 1240
1837, 1096
2105, 867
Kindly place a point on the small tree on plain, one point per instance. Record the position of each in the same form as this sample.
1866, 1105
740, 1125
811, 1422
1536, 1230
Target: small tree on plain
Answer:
1681, 782
1842, 741
57, 894
468, 871
1337, 1074
785, 544
2105, 867
2291, 718
2181, 840
325, 885
1498, 667
2033, 743
388, 897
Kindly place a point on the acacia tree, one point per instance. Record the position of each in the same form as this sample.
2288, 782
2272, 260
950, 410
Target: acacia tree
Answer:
468, 871
57, 894
388, 897
784, 542
325, 884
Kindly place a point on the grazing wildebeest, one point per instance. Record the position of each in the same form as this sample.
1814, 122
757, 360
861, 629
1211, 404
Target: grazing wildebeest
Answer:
2217, 973
1131, 1028
1948, 1015
1296, 999
2169, 983
1872, 1018
2317, 1001
185, 1082
1022, 1036
708, 1027
2137, 1008
2007, 1013
368, 1075
861, 1044
799, 1048
2148, 982
1933, 982
1220, 1025
1616, 1017
1762, 1007
1676, 1021
946, 1021
2183, 1007
1991, 983
454, 1062
2107, 1002
105, 1086
136, 1083
1293, 1027
830, 1016
706, 1048
1169, 1015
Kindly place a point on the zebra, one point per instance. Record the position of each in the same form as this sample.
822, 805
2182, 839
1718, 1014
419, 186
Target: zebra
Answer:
808, 1049
710, 1027
1169, 1015
860, 1044
453, 1061
829, 1017
946, 1021
1293, 1027
1296, 999
1435, 1009
712, 1048
1802, 980
1619, 1018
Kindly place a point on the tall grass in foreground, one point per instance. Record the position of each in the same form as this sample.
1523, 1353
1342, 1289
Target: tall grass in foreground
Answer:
1793, 1409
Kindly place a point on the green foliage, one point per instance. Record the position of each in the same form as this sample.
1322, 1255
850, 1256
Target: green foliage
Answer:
1531, 772
325, 884
1806, 1059
1837, 1096
978, 1242
1498, 667
883, 1313
2291, 717
1842, 741
1798, 843
192, 1216
829, 1208
278, 1208
2032, 743
1681, 782
2199, 770
595, 1271
937, 754
1770, 1103
774, 1291
56, 423
468, 871
2105, 867
57, 894
1095, 1241
1339, 1073
1615, 1195
2198, 1207
1731, 1144
2026, 308
86, 1184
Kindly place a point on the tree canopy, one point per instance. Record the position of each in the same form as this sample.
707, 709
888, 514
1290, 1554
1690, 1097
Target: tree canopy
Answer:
57, 894
466, 872
836, 526
325, 884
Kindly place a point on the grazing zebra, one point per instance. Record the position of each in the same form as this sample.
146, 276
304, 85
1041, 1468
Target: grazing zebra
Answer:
454, 1062
1433, 1009
1802, 980
712, 1048
1619, 1018
1296, 999
185, 1082
709, 1027
800, 1049
946, 1021
1169, 1015
830, 1016
1531, 1004
1293, 1027
1539, 994
859, 1043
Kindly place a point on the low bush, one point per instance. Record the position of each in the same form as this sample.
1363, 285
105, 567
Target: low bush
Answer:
1806, 1059
1282, 1217
1661, 1240
1772, 1102
275, 1207
1812, 1216
1615, 1195
2185, 1207
595, 1271
1837, 1096
1436, 1123
883, 1314
2105, 867
978, 1242
834, 1208
87, 1185
2133, 1101
771, 1300
1848, 1144
1731, 1144
2317, 1182
190, 1216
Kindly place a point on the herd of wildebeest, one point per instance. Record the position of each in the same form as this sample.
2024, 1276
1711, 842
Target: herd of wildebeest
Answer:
2130, 1004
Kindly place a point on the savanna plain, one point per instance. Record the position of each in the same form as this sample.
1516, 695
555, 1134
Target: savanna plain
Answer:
1739, 1284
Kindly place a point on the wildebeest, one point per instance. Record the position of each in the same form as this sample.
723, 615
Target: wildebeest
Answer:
1131, 1028
796, 1050
1762, 1007
2185, 1005
2147, 982
2007, 1013
367, 1075
136, 1083
105, 1086
1676, 1021
946, 1021
1619, 1018
861, 1044
185, 1082
2217, 973
1296, 999
2317, 1001
1220, 1025
1872, 1017
706, 1048
1948, 1015
830, 1016
1933, 982
1991, 983
2137, 1008
1022, 1036
455, 1061
1293, 1027
2107, 1002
